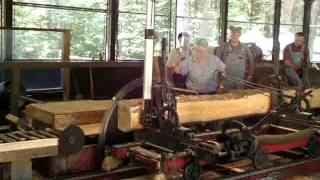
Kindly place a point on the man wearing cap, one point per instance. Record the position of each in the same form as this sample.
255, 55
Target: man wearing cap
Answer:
176, 56
238, 59
296, 58
202, 69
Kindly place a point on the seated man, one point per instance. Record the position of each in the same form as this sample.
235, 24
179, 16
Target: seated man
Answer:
296, 57
201, 69
177, 55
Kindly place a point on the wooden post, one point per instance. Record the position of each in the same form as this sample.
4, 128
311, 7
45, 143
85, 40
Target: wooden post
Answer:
21, 170
66, 45
114, 11
66, 79
306, 31
276, 33
66, 82
92, 91
15, 90
18, 156
276, 49
306, 20
7, 40
223, 20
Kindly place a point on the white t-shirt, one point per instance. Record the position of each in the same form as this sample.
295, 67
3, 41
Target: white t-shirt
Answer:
202, 77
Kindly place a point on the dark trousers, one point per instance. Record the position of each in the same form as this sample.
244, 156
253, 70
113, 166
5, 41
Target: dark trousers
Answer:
179, 80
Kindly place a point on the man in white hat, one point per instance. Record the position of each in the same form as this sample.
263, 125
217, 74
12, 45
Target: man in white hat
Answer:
202, 69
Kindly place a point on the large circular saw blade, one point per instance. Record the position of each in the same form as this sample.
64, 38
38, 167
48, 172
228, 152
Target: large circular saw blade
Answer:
71, 140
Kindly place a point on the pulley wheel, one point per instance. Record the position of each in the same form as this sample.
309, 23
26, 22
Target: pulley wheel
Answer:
71, 140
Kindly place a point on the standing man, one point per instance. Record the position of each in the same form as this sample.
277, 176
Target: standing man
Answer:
238, 59
296, 58
176, 56
202, 70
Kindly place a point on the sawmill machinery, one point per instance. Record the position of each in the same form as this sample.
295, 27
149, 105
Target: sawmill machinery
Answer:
164, 145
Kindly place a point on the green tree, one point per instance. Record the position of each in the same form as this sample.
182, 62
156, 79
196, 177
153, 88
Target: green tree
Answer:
88, 29
132, 20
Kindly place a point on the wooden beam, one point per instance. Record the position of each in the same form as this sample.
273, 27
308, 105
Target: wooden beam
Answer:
54, 64
17, 151
66, 45
33, 29
201, 109
66, 82
60, 115
66, 71
192, 109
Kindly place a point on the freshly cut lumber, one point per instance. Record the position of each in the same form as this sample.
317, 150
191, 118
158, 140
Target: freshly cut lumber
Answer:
88, 114
201, 109
16, 151
60, 115
89, 129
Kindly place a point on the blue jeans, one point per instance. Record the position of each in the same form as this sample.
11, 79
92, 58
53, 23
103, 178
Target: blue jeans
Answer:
293, 77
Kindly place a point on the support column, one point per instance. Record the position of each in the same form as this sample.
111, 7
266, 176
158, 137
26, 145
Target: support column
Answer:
306, 31
15, 90
7, 41
307, 20
224, 7
114, 11
66, 72
21, 170
276, 33
148, 60
276, 98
